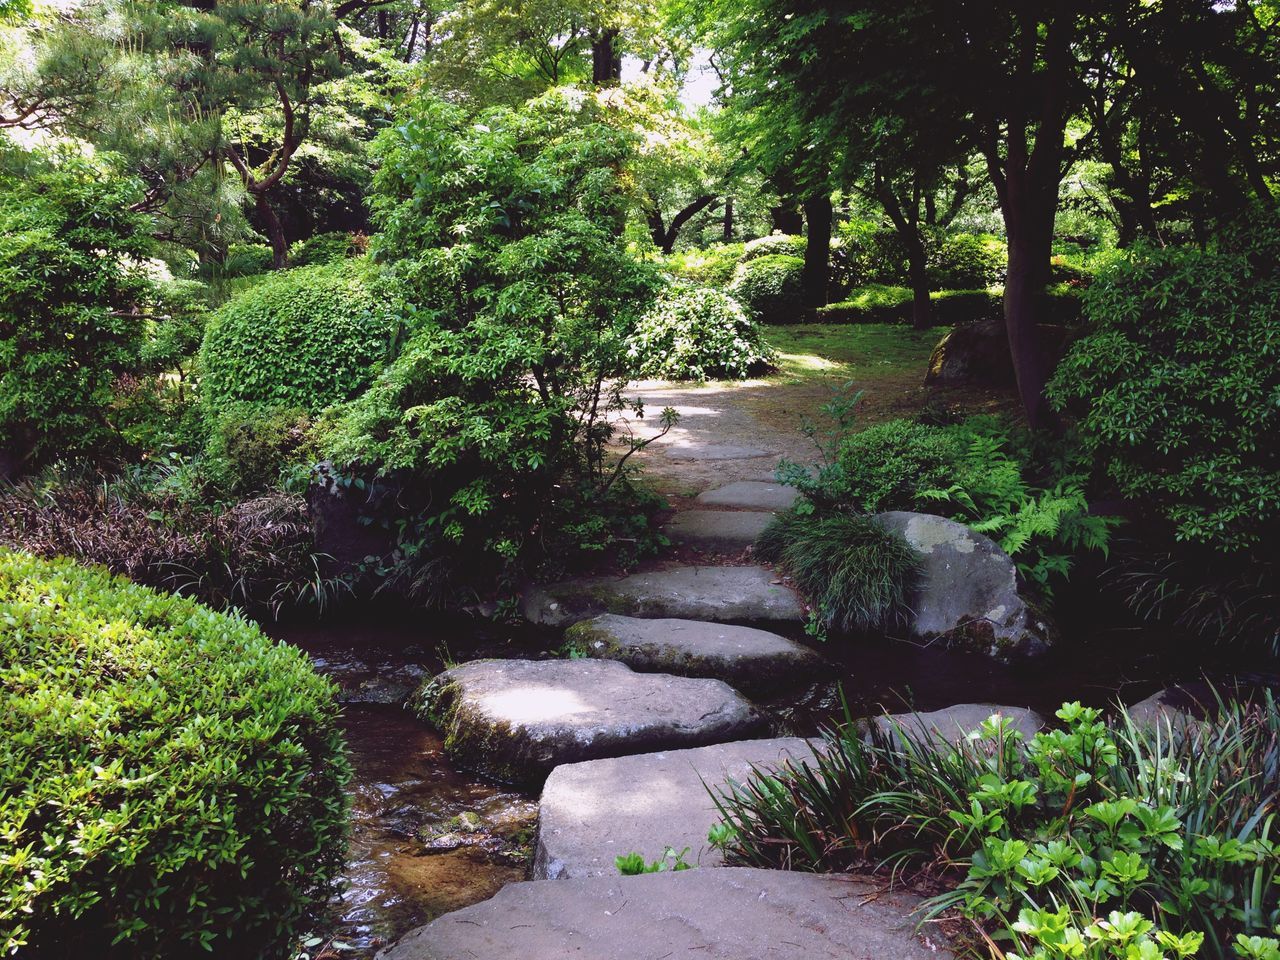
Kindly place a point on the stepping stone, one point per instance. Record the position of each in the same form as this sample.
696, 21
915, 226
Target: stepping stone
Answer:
756, 662
721, 530
721, 594
592, 812
515, 720
967, 591
737, 913
750, 495
952, 724
700, 450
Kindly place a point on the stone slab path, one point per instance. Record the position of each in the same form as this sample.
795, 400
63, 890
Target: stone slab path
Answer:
955, 723
724, 531
727, 914
719, 594
749, 495
593, 812
757, 662
518, 719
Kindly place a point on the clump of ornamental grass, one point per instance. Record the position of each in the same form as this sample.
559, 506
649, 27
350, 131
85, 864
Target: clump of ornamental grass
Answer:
1083, 842
856, 572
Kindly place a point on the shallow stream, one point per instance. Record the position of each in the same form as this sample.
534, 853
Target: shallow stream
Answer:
428, 837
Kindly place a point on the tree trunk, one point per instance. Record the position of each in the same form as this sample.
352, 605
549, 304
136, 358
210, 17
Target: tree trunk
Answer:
918, 273
606, 61
787, 219
1029, 217
817, 251
275, 230
664, 237
727, 235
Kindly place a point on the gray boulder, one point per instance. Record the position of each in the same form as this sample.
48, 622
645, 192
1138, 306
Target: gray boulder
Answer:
754, 661
967, 593
517, 719
730, 914
720, 594
593, 812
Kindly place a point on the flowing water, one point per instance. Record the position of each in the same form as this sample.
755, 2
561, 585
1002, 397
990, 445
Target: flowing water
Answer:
414, 855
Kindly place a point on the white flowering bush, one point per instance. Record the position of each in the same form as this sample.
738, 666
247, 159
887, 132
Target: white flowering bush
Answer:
698, 333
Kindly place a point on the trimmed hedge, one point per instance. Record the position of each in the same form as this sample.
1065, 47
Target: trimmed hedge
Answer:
878, 304
770, 288
171, 780
324, 248
777, 244
302, 338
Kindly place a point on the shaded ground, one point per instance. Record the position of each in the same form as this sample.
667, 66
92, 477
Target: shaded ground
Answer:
740, 431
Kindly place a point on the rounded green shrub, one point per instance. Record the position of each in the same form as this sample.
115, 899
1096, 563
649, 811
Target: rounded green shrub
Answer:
171, 780
323, 248
885, 466
966, 261
770, 288
301, 338
697, 333
784, 244
250, 447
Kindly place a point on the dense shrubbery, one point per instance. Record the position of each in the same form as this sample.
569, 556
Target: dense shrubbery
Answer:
496, 413
245, 260
1175, 385
966, 261
973, 471
1168, 833
153, 525
713, 266
697, 333
70, 292
250, 446
777, 244
868, 254
769, 288
855, 571
326, 248
302, 338
170, 781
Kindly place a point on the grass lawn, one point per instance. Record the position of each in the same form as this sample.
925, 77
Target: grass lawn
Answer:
857, 352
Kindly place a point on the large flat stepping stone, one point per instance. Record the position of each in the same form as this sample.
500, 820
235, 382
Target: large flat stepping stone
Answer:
750, 495
754, 661
517, 719
952, 724
721, 594
720, 530
593, 812
737, 913
690, 449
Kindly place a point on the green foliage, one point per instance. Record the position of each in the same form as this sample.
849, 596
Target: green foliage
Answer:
498, 407
633, 864
698, 333
1176, 385
155, 525
881, 304
966, 261
868, 253
769, 288
70, 289
776, 244
713, 266
245, 260
324, 248
1168, 833
251, 446
302, 338
1036, 511
171, 780
856, 572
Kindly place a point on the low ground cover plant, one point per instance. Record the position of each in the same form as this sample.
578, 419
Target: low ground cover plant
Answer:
698, 333
171, 780
1096, 839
